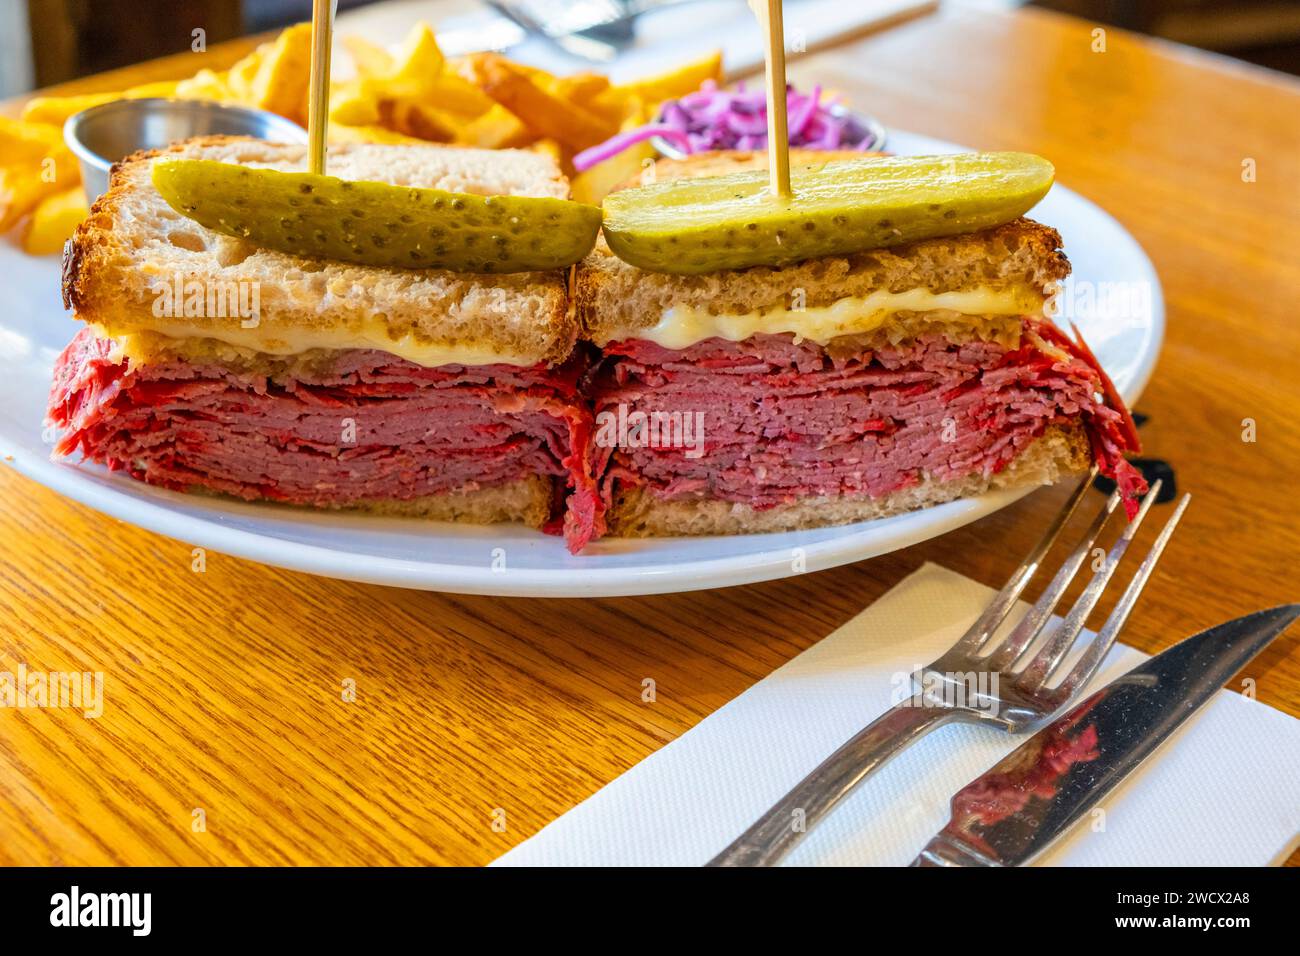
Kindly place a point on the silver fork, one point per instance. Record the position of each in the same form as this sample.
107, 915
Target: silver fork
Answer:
1014, 699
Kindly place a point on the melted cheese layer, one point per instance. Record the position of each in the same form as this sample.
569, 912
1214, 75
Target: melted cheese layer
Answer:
680, 327
140, 346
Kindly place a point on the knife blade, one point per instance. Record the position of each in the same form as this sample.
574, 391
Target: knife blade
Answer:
1013, 812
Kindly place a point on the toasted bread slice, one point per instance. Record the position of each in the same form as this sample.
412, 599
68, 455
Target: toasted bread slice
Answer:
133, 244
527, 500
1019, 263
635, 513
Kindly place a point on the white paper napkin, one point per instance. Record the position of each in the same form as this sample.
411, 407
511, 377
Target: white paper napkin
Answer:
1225, 790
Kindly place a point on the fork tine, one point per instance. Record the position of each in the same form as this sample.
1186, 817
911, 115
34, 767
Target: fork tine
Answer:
1101, 644
1031, 625
1005, 600
1049, 657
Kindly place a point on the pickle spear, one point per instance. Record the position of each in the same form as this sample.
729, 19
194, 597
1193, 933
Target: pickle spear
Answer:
378, 224
690, 226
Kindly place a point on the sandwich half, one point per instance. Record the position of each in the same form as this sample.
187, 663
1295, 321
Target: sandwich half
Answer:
839, 389
208, 364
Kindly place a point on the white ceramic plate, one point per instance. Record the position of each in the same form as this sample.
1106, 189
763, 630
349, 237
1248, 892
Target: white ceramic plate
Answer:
1124, 331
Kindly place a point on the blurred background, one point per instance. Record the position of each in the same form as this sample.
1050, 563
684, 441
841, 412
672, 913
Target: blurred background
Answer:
49, 41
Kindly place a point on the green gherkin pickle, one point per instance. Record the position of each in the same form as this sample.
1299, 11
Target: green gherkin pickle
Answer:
690, 226
378, 224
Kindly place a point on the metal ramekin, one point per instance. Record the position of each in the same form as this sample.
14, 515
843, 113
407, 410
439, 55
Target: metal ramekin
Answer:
103, 134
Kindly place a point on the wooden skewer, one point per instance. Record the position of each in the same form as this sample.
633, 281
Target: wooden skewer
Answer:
322, 36
778, 135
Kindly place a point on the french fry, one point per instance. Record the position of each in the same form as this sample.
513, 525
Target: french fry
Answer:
550, 148
56, 109
498, 128
27, 141
415, 92
678, 82
34, 163
446, 92
636, 103
163, 88
418, 57
53, 221
544, 113
370, 59
20, 193
418, 120
468, 67
206, 85
279, 83
242, 77
581, 87
451, 92
599, 181
273, 77
352, 105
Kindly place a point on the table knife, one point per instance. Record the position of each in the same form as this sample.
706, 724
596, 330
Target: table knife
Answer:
1016, 810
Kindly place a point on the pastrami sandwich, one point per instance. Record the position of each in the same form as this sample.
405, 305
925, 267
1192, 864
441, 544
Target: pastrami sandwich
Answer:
211, 364
840, 388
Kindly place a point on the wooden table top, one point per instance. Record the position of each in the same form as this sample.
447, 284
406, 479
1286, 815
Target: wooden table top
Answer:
224, 687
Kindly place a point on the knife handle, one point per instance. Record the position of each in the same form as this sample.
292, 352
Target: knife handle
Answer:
775, 833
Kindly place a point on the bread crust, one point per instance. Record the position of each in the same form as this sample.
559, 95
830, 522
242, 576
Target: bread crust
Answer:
527, 500
614, 300
132, 242
636, 513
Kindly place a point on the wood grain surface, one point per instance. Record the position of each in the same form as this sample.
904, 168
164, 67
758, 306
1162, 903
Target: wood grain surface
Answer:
224, 687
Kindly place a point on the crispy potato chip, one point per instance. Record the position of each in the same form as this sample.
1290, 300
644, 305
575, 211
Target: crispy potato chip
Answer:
53, 221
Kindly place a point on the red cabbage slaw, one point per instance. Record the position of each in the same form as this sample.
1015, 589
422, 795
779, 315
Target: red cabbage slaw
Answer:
711, 118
